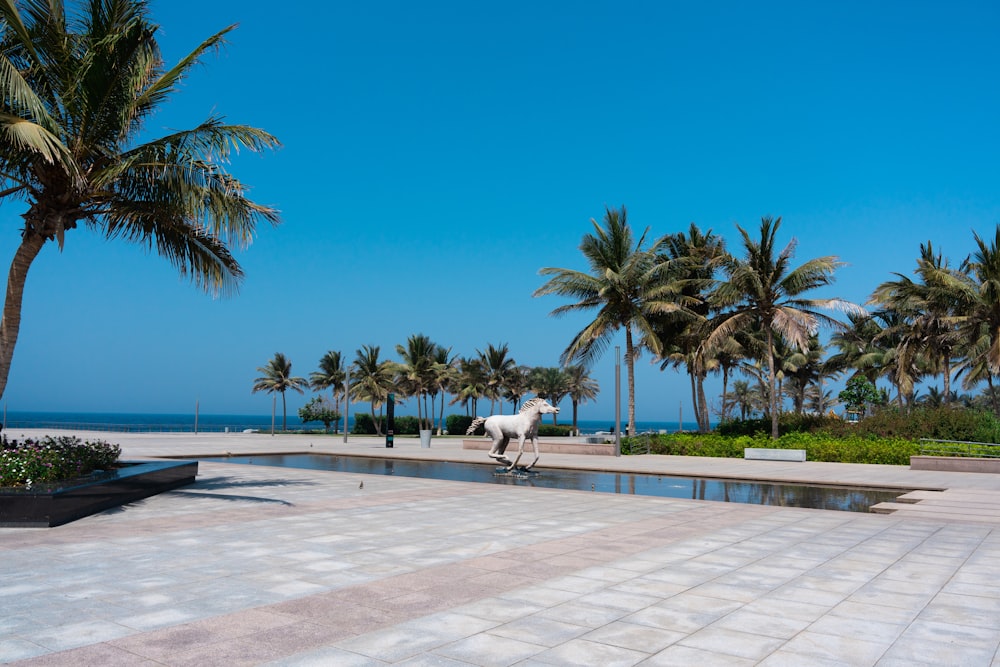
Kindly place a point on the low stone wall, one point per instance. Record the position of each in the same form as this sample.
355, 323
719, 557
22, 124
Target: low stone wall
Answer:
548, 447
954, 464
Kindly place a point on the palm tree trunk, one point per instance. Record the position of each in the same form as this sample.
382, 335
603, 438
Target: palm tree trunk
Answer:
947, 380
725, 390
576, 429
771, 380
993, 394
630, 372
284, 413
378, 427
694, 399
703, 403
10, 323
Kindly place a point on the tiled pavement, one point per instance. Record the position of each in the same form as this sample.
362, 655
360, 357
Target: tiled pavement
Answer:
256, 565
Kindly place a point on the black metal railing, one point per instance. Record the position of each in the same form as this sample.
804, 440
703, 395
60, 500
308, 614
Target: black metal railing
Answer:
984, 450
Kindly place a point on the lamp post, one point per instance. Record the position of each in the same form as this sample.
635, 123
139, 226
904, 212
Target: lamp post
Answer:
347, 402
618, 401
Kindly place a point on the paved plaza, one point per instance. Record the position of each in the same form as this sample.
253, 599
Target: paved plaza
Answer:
257, 565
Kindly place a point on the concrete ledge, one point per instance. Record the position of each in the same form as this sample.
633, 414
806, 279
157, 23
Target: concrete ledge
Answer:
954, 464
548, 447
766, 454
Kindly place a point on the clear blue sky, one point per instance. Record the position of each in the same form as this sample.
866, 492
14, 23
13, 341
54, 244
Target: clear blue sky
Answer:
437, 154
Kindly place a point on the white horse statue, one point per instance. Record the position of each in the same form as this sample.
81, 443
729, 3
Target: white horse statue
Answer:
501, 428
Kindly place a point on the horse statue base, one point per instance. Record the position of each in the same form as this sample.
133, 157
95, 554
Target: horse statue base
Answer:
520, 472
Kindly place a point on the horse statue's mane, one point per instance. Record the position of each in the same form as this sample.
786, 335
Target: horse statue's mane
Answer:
530, 403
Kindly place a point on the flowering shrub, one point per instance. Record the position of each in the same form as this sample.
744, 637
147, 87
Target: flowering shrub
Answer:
48, 459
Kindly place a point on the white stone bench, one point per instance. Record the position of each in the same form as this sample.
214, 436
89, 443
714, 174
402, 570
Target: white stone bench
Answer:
763, 454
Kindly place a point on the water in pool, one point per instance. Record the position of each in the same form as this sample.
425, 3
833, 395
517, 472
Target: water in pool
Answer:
852, 499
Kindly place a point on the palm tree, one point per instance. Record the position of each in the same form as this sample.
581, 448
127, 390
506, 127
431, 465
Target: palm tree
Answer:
75, 92
976, 289
331, 375
550, 383
277, 377
497, 366
581, 388
444, 374
517, 385
745, 397
761, 289
690, 260
930, 337
623, 286
372, 380
417, 373
469, 384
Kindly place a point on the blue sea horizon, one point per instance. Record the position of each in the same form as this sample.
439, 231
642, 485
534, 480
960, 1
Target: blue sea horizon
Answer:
208, 423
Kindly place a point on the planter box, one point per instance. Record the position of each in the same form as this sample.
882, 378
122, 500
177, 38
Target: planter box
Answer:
53, 505
954, 464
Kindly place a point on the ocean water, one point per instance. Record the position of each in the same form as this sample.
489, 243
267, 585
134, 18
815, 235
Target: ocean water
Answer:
185, 423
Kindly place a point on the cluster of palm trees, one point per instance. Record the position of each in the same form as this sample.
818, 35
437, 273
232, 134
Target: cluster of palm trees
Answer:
691, 303
429, 373
942, 322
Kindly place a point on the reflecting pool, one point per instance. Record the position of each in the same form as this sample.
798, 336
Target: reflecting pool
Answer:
850, 499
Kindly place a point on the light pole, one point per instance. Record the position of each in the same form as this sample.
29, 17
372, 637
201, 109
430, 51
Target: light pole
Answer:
347, 402
618, 401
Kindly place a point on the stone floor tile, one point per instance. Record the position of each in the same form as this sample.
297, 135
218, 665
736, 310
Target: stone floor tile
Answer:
488, 650
732, 642
539, 630
744, 620
675, 655
869, 629
633, 636
851, 650
586, 653
925, 652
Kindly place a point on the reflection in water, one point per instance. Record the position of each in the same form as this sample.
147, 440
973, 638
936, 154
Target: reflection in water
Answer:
852, 499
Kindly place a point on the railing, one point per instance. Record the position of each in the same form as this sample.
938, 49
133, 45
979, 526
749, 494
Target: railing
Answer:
127, 428
982, 450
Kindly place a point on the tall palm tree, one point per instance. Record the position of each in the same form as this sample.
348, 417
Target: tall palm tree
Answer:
691, 259
372, 380
581, 388
469, 384
762, 289
417, 372
497, 365
277, 377
444, 373
75, 91
976, 290
331, 375
930, 338
623, 286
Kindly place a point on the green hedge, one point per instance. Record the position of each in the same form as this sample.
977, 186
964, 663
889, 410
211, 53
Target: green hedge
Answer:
818, 446
555, 430
403, 425
459, 424
944, 423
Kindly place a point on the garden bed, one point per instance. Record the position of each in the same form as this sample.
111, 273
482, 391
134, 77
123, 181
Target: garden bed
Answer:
47, 505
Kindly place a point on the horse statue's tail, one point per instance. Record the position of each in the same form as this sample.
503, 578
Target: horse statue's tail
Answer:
476, 423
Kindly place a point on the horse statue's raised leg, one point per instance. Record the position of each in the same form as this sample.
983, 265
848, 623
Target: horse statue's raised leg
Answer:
499, 447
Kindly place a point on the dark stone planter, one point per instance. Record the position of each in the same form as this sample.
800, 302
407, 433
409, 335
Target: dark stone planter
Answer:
53, 505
